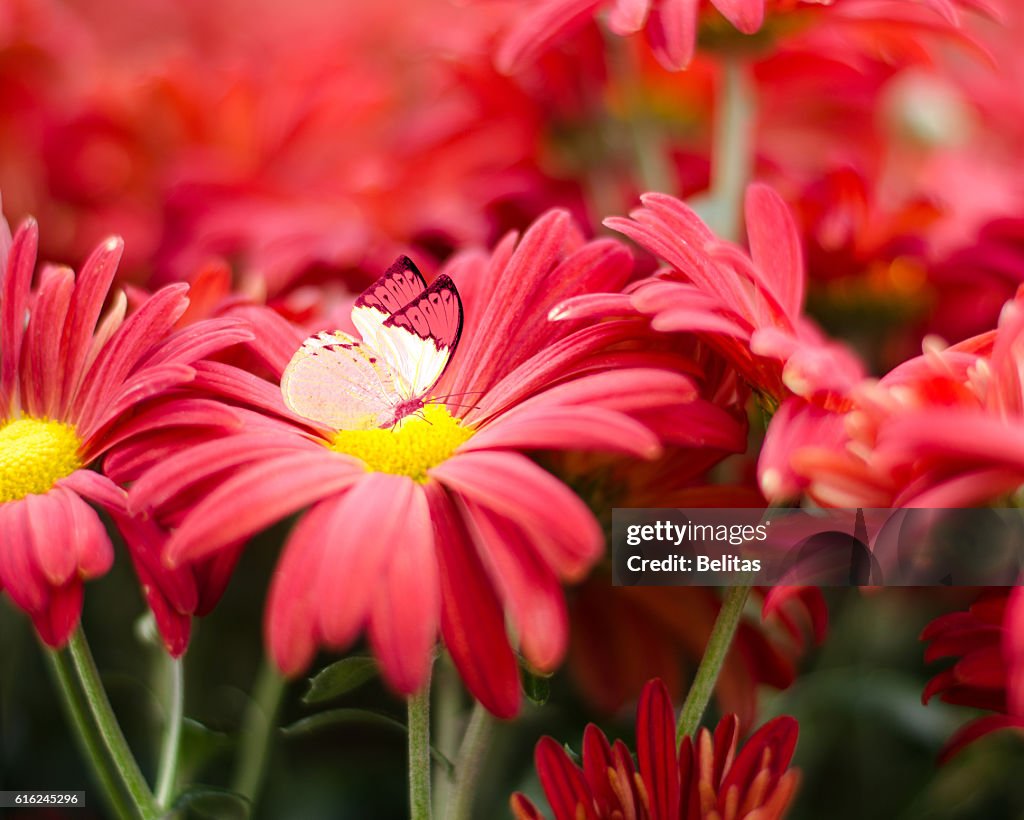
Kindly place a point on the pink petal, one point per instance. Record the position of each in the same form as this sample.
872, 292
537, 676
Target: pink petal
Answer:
623, 389
96, 488
290, 620
628, 16
511, 485
56, 623
567, 428
541, 28
91, 288
131, 342
200, 340
240, 385
537, 252
472, 621
547, 366
19, 573
672, 33
14, 295
278, 339
367, 526
257, 496
746, 15
41, 359
774, 242
528, 588
190, 413
135, 390
200, 463
50, 533
406, 608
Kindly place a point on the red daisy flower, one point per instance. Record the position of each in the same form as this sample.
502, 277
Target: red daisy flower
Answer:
748, 306
707, 779
442, 524
66, 384
988, 642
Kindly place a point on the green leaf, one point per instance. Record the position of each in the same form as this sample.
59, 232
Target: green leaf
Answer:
340, 678
200, 744
537, 688
214, 803
342, 717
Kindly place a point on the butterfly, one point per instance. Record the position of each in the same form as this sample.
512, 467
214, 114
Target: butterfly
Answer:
409, 333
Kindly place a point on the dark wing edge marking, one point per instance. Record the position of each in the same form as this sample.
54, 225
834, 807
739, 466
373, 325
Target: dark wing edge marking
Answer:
398, 287
418, 317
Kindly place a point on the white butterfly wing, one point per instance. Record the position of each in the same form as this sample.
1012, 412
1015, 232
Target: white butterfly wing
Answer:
340, 384
399, 286
418, 341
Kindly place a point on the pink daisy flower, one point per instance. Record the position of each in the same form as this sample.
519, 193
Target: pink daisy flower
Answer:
945, 429
69, 380
442, 525
747, 305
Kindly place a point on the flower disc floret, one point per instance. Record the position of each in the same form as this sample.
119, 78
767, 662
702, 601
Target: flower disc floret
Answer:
410, 449
34, 455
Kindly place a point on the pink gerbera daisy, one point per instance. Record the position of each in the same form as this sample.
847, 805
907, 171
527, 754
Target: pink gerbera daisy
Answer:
66, 385
442, 524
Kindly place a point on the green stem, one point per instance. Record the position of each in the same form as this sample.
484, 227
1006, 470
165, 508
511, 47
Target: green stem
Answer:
447, 709
113, 744
470, 763
732, 154
168, 770
88, 735
257, 728
419, 753
711, 664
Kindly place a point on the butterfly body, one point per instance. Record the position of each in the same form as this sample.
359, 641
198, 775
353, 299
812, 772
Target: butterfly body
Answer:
409, 333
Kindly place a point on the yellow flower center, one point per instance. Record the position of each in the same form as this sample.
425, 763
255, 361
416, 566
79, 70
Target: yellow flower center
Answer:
34, 455
411, 449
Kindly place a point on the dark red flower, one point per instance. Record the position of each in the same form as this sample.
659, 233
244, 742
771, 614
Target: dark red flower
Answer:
988, 642
707, 779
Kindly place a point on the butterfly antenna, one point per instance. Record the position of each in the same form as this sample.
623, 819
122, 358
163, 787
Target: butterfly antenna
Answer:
462, 406
453, 395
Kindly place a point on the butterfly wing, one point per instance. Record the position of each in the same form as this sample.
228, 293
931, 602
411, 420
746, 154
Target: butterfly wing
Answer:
418, 341
400, 285
340, 384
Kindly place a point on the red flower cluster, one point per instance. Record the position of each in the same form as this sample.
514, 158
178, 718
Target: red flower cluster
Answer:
708, 777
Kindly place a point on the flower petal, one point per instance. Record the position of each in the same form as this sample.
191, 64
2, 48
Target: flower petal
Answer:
472, 621
257, 496
406, 608
513, 486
